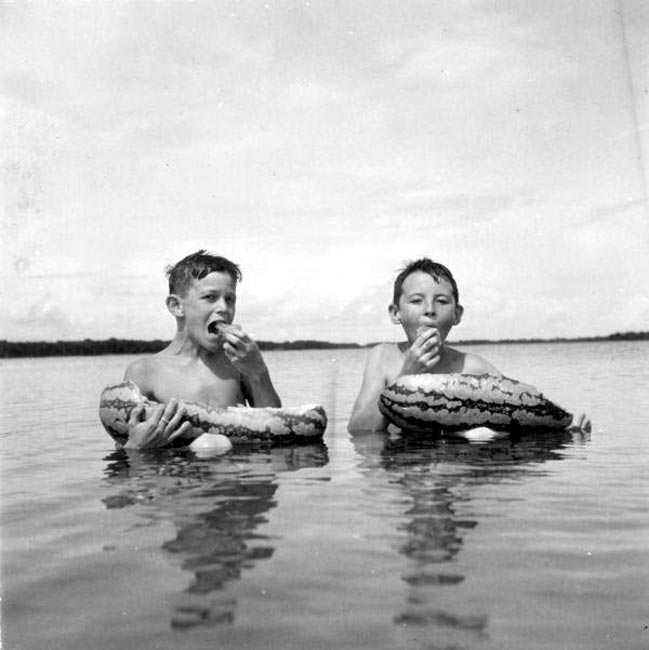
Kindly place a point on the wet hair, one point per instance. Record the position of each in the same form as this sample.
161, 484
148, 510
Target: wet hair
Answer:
424, 265
195, 267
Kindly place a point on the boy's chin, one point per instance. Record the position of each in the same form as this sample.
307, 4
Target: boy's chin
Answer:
214, 341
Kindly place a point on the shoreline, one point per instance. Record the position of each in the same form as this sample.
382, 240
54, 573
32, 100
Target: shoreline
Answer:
91, 347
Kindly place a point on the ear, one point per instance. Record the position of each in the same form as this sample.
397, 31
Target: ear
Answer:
175, 305
459, 311
395, 317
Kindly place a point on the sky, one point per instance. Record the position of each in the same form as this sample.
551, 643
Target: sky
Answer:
321, 145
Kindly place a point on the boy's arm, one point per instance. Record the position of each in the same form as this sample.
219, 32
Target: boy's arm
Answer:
245, 356
365, 414
475, 365
139, 373
259, 390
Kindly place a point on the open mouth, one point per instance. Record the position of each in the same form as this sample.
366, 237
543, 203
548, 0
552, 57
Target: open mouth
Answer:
219, 328
216, 328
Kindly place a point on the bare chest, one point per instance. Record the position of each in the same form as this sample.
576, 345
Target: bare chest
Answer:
203, 387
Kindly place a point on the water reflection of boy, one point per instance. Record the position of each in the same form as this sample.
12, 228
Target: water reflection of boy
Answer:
217, 509
426, 304
208, 361
436, 476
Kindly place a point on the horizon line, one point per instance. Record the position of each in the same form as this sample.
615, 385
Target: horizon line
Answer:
613, 336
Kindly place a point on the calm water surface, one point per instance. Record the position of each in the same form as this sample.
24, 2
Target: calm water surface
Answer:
364, 542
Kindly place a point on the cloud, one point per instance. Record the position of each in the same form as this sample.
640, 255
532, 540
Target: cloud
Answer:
321, 149
37, 318
38, 323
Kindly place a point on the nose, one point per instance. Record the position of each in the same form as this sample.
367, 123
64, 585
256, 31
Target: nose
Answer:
221, 305
429, 307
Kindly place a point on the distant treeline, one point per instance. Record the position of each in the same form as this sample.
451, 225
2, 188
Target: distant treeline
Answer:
89, 347
618, 336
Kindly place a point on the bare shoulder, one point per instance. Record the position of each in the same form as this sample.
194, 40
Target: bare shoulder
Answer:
474, 364
144, 371
382, 350
383, 359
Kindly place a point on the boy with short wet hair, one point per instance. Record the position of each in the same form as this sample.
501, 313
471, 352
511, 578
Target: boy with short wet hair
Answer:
426, 304
209, 360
